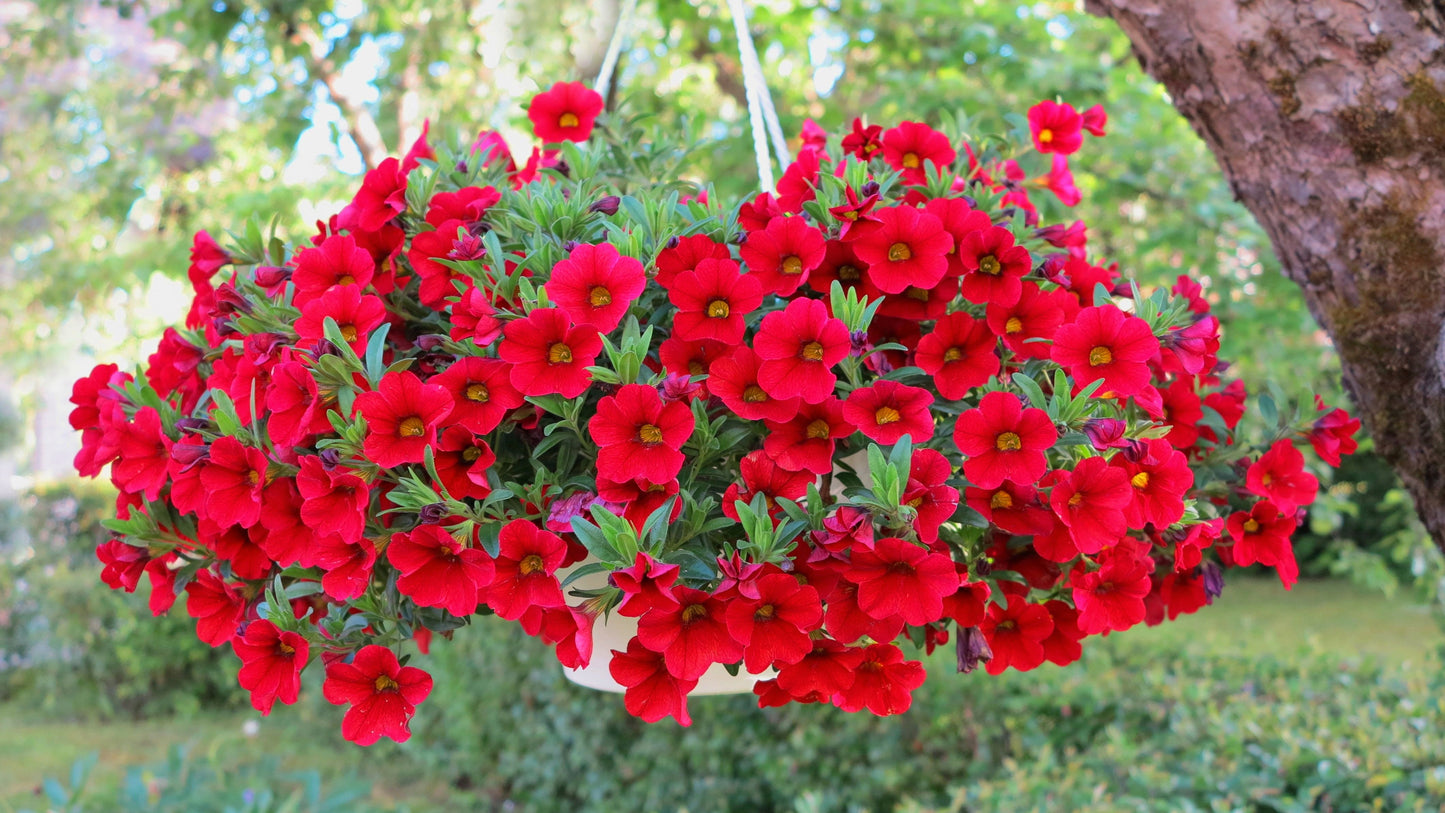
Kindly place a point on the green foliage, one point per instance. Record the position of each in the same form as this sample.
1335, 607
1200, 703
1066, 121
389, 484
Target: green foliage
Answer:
73, 648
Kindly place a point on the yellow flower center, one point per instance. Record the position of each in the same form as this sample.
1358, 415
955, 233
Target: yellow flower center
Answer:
1250, 526
1140, 480
914, 292
910, 160
1008, 442
848, 273
695, 368
649, 434
346, 279
812, 351
1013, 325
599, 296
819, 430
252, 477
385, 684
478, 393
1001, 499
792, 266
348, 332
754, 394
898, 252
1100, 356
1077, 499
286, 649
765, 612
471, 453
718, 309
990, 265
693, 612
530, 564
952, 354
559, 353
887, 415
412, 427
567, 120
1046, 136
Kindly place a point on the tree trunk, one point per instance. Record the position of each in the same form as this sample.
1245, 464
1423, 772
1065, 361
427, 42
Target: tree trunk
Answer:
1328, 120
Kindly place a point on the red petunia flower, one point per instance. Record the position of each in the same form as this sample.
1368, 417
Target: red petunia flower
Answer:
237, 547
1112, 597
826, 670
735, 380
640, 498
799, 346
462, 461
143, 462
124, 564
481, 390
474, 318
382, 693
902, 578
686, 255
799, 180
639, 435
883, 682
595, 285
1016, 633
1333, 435
910, 145
773, 628
909, 248
402, 417
1004, 441
337, 261
653, 692
439, 571
781, 255
569, 629
889, 410
713, 300
1158, 479
864, 142
380, 199
993, 267
348, 565
296, 410
450, 241
234, 477
287, 540
1262, 536
217, 607
807, 442
1106, 343
271, 664
1183, 412
762, 475
523, 570
1060, 181
1279, 476
960, 354
1056, 127
644, 585
1090, 501
1062, 647
466, 205
691, 636
356, 316
549, 354
1094, 120
335, 501
1012, 507
565, 112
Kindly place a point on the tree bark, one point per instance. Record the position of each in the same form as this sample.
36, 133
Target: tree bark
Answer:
1328, 120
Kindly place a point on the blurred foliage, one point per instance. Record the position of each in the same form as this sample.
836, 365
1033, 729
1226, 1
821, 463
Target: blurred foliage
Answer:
73, 648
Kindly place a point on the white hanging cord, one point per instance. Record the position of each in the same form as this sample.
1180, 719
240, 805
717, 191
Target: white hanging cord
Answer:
614, 49
756, 90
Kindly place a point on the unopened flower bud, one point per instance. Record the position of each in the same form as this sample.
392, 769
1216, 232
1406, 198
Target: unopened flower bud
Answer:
869, 189
607, 206
569, 245
674, 241
330, 458
324, 347
428, 342
271, 276
433, 513
1105, 433
973, 649
192, 425
1213, 580
740, 238
229, 300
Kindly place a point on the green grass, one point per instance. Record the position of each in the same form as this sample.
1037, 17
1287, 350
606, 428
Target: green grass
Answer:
1253, 617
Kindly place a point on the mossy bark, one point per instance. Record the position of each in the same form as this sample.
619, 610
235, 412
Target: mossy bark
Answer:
1328, 120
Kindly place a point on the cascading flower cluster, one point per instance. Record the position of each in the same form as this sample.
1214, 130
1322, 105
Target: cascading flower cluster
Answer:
880, 403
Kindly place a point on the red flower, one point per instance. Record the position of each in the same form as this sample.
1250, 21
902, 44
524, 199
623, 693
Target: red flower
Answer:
1004, 441
1062, 647
1061, 182
466, 205
524, 567
568, 628
904, 579
1090, 501
864, 142
644, 585
960, 354
1280, 477
356, 316
825, 671
296, 413
335, 500
287, 540
338, 261
217, 607
846, 621
888, 410
1261, 536
481, 390
1112, 597
382, 693
1095, 119
271, 664
1182, 412
713, 300
566, 112
883, 682
762, 475
799, 346
549, 354
402, 417
799, 180
806, 442
686, 255
1016, 633
144, 460
911, 144
735, 380
855, 219
1106, 343
993, 267
449, 241
474, 318
462, 461
652, 691
348, 565
234, 477
595, 285
639, 435
1056, 127
1159, 479
1012, 507
691, 636
437, 570
124, 564
780, 255
87, 393
840, 263
1334, 435
237, 547
909, 248
774, 627
381, 198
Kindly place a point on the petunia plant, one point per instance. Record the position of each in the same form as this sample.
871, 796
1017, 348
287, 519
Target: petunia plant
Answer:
880, 407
